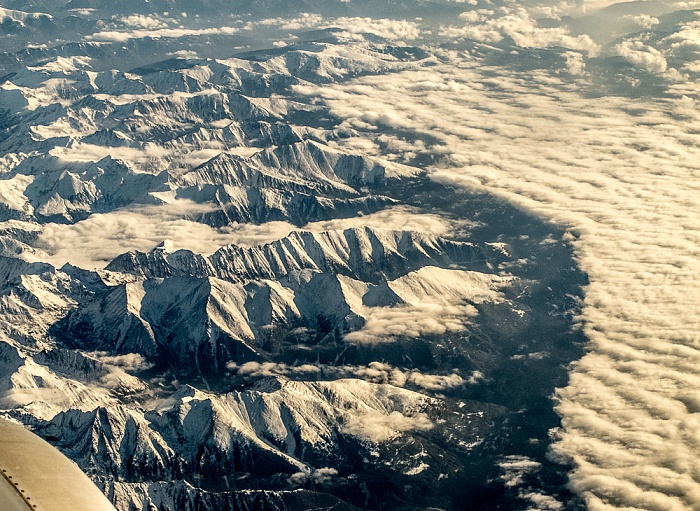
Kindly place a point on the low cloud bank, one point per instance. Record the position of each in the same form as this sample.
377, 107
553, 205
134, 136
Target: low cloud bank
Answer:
97, 240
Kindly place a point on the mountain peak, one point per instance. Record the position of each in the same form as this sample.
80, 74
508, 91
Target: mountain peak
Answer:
165, 246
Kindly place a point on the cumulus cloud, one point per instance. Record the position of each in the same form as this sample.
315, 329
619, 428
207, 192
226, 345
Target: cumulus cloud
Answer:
541, 501
117, 371
574, 62
324, 475
646, 57
643, 20
622, 175
83, 12
262, 369
298, 479
185, 54
375, 427
688, 36
303, 21
494, 25
143, 21
392, 30
384, 324
320, 476
515, 470
693, 4
439, 382
131, 362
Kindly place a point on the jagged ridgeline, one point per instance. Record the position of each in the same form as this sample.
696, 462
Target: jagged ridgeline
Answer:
360, 365
197, 314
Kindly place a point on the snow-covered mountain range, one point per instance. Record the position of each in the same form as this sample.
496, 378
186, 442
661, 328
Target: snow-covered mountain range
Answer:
328, 329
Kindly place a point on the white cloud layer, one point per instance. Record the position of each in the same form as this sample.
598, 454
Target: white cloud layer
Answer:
624, 176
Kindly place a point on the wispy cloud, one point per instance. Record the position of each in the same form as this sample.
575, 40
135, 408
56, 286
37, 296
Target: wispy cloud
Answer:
389, 29
156, 33
374, 372
117, 368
